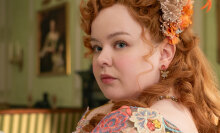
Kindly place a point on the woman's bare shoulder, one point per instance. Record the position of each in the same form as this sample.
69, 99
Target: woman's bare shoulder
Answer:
176, 114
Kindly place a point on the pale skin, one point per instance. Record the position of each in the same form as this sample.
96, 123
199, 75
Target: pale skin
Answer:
118, 51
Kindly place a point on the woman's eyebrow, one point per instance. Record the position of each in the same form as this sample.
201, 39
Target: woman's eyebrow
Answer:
116, 34
110, 36
94, 40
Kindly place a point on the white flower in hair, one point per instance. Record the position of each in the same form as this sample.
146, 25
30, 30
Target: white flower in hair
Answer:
172, 9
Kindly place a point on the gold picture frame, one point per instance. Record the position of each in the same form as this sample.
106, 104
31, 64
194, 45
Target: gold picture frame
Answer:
53, 55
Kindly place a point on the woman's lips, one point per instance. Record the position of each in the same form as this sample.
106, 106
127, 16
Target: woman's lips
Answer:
107, 79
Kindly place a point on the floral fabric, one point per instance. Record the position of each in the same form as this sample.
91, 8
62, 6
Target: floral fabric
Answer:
130, 119
82, 123
146, 120
113, 122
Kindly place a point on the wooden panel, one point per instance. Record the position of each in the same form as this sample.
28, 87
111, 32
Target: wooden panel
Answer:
6, 123
48, 125
33, 118
1, 122
55, 123
59, 122
25, 111
15, 123
24, 123
40, 122
62, 123
69, 123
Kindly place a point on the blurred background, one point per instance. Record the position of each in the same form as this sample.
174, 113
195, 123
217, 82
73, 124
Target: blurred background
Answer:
42, 63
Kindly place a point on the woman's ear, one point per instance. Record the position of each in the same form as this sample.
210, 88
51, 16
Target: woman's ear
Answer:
167, 52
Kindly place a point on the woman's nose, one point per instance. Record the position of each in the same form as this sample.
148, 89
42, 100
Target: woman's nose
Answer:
105, 57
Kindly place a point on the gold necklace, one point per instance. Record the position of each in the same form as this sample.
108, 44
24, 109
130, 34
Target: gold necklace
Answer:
168, 97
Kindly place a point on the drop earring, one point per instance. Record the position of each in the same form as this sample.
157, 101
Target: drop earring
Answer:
164, 72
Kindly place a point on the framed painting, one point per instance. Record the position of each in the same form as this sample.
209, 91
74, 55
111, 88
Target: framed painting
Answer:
53, 41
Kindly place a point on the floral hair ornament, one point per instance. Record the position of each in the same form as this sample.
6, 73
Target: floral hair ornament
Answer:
177, 16
208, 4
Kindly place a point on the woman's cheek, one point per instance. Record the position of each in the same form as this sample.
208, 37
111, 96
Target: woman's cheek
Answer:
95, 68
125, 64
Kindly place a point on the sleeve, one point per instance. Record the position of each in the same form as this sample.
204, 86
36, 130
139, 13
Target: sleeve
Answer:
130, 119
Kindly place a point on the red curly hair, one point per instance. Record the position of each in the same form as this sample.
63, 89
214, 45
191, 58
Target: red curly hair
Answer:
190, 74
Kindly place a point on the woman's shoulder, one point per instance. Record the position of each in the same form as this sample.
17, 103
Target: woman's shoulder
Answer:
157, 118
135, 119
177, 114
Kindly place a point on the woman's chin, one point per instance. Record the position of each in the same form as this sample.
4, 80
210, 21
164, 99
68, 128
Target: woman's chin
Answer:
117, 97
113, 97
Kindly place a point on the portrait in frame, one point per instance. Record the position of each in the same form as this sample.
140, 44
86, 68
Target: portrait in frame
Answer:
53, 41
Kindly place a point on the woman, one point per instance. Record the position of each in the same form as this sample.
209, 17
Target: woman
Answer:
147, 61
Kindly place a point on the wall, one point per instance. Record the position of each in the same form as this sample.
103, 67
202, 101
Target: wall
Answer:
3, 59
18, 23
22, 27
210, 34
205, 26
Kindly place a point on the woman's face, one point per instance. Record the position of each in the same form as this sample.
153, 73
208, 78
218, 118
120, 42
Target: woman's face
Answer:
118, 55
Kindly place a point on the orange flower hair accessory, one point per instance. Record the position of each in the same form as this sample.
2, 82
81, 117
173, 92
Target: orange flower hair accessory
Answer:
208, 4
177, 16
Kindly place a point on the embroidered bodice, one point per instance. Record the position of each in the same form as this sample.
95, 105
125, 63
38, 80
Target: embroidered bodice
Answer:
129, 119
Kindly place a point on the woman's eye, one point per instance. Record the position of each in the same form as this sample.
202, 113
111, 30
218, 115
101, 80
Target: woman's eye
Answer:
96, 49
120, 44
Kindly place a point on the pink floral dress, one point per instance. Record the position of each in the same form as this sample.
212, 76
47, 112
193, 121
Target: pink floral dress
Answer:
128, 119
